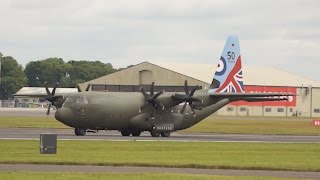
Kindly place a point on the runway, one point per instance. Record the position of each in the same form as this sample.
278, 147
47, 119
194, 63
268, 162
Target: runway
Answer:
68, 134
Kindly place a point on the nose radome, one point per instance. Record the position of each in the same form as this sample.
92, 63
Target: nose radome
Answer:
57, 115
63, 114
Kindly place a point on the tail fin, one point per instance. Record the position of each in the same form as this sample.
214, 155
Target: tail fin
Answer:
228, 76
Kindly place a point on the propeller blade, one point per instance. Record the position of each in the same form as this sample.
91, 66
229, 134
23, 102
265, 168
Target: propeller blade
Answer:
47, 89
192, 109
183, 108
152, 89
88, 87
143, 91
49, 107
157, 95
194, 90
186, 89
78, 87
54, 89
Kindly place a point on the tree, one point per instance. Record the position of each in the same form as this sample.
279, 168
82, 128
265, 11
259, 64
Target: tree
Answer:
82, 71
51, 70
68, 74
12, 77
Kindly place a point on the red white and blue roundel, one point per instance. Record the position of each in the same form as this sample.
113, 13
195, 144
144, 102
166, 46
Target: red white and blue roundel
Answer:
222, 66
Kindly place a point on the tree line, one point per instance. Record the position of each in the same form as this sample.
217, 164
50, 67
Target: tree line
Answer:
14, 76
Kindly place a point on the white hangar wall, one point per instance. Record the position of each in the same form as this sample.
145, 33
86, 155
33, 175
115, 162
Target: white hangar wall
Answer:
307, 104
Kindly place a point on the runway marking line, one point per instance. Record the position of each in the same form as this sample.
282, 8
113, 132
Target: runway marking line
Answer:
146, 140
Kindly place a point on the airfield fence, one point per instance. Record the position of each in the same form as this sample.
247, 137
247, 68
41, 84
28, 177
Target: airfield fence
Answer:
14, 104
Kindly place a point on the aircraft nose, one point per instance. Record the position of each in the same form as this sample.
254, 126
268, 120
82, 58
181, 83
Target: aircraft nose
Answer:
63, 114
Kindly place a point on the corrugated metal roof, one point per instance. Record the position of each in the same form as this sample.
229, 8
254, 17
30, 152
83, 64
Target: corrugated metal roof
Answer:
269, 76
41, 91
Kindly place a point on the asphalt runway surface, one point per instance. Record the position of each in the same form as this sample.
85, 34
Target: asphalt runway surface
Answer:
68, 134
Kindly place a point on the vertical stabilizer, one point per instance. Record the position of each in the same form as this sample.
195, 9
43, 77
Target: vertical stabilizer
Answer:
228, 76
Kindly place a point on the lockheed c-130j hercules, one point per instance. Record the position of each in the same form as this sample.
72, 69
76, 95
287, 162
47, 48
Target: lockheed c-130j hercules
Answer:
160, 113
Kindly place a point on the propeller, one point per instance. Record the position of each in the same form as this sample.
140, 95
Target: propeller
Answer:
188, 97
151, 98
87, 89
51, 96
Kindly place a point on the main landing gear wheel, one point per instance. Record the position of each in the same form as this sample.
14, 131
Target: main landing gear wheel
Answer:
136, 133
125, 133
155, 134
80, 131
165, 134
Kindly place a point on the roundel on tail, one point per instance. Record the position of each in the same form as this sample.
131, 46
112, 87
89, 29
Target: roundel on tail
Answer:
222, 66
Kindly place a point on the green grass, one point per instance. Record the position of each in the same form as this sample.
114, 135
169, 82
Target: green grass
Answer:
213, 124
256, 125
37, 122
126, 176
268, 156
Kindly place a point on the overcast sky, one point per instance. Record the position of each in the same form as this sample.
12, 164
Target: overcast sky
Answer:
279, 33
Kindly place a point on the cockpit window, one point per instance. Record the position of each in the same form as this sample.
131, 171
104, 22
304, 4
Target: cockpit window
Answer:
85, 100
76, 100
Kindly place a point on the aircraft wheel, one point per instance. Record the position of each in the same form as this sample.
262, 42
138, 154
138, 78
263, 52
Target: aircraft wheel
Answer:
165, 134
125, 133
136, 133
80, 131
155, 134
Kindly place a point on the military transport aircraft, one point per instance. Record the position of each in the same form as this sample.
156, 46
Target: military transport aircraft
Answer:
160, 113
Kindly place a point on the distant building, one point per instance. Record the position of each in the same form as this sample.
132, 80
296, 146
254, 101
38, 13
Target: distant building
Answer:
35, 96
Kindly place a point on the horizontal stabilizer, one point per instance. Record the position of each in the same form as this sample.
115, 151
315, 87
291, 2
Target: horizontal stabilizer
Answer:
244, 95
263, 99
253, 97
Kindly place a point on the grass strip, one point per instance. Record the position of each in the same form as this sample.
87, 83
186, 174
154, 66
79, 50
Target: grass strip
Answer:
258, 125
251, 156
122, 176
30, 122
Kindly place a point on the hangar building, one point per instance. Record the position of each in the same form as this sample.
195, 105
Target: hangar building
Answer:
171, 76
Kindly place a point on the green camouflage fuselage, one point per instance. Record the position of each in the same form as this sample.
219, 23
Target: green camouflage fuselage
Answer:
120, 111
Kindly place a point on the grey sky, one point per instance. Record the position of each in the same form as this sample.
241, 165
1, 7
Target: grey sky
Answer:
279, 33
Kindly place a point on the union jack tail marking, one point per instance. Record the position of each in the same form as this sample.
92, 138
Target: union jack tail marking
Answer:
228, 76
